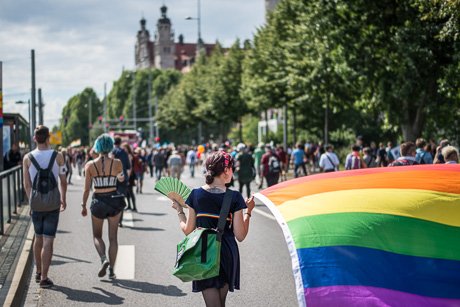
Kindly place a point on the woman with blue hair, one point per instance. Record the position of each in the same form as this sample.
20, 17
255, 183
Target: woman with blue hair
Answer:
104, 172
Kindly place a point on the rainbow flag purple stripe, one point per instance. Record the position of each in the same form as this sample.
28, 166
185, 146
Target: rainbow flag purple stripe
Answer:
373, 237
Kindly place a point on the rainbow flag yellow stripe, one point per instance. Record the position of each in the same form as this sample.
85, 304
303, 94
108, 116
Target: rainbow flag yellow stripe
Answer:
383, 236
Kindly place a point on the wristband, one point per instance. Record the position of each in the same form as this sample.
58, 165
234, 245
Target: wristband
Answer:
248, 214
83, 205
179, 213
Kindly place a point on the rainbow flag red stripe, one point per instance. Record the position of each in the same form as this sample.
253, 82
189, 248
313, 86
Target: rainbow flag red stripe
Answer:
373, 237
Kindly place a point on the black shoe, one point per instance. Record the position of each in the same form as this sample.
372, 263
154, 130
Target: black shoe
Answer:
103, 269
112, 274
46, 283
38, 277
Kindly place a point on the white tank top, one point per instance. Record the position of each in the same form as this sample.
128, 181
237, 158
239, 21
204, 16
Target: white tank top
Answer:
43, 158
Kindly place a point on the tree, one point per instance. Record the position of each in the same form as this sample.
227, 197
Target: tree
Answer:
75, 119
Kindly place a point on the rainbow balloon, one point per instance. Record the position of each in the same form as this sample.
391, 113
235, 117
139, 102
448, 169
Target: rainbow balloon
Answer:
373, 237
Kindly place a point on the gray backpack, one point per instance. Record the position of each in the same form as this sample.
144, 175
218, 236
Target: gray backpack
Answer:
45, 192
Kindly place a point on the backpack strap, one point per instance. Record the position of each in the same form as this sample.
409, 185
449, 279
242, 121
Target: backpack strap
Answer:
330, 160
224, 213
52, 159
34, 162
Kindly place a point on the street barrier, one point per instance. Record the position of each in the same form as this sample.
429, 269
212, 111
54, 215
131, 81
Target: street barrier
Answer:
11, 194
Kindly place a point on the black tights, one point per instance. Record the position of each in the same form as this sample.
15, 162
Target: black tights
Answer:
131, 198
215, 297
248, 188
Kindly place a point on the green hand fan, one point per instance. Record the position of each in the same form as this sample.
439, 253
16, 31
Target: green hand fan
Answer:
174, 189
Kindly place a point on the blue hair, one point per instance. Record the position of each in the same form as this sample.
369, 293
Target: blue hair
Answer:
103, 144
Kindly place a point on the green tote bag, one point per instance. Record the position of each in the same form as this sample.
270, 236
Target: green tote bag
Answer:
198, 254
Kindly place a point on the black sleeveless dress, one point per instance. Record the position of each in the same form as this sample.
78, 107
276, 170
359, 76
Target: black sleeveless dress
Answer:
207, 208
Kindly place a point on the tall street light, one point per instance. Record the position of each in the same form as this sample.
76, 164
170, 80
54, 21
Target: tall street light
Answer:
198, 19
198, 51
31, 128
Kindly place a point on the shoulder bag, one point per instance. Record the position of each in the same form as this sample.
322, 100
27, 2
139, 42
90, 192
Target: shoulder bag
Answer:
198, 254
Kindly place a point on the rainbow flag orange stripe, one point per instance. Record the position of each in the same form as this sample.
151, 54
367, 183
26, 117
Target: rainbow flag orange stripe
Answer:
373, 237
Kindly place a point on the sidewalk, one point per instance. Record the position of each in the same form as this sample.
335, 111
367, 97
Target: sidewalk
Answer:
15, 257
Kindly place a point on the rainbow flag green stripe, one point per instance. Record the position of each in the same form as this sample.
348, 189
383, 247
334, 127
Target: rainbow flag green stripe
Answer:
387, 235
391, 233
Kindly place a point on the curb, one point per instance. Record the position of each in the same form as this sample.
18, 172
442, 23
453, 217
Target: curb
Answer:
16, 292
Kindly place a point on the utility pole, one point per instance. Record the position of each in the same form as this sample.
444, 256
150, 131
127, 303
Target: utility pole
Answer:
105, 107
134, 103
1, 116
157, 127
34, 105
40, 107
285, 111
326, 122
150, 110
90, 122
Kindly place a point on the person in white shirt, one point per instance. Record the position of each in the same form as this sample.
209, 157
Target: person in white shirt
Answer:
329, 162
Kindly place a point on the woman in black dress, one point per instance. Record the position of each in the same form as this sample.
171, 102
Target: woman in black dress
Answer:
203, 211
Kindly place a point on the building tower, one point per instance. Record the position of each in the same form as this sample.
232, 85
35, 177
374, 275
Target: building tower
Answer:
164, 42
143, 54
270, 5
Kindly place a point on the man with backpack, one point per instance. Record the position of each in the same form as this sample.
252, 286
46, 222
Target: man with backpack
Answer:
271, 166
407, 158
41, 170
354, 159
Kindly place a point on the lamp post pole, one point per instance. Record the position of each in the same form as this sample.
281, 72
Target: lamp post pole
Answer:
32, 100
198, 51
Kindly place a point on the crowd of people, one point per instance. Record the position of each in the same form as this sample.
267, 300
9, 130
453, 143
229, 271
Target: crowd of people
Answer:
112, 170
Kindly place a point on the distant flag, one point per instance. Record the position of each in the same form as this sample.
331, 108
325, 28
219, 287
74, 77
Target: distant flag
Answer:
373, 237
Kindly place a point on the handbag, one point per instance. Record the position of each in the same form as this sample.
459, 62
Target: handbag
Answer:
198, 254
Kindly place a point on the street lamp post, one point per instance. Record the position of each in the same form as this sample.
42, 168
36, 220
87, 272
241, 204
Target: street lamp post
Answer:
31, 128
198, 51
198, 19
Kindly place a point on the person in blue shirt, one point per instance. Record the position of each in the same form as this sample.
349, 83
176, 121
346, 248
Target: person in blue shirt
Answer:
298, 156
422, 156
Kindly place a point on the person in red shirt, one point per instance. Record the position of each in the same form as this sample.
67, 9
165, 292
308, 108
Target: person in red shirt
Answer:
271, 166
282, 155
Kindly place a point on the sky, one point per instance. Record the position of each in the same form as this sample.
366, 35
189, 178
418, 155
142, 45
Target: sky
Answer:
87, 43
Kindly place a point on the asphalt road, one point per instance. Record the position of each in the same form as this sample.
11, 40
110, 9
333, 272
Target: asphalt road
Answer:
147, 254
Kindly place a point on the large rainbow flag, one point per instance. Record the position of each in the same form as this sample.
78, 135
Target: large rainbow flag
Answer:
373, 237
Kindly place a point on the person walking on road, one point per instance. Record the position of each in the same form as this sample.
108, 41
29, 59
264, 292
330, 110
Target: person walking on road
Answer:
159, 161
45, 199
245, 170
175, 164
329, 162
298, 158
271, 166
130, 177
204, 207
191, 161
107, 203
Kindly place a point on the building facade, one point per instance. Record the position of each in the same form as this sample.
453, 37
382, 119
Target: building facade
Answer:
163, 52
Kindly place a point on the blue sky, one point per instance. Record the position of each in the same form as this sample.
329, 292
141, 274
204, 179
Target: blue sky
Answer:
80, 43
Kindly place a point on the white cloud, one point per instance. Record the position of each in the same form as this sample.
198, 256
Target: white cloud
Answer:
87, 43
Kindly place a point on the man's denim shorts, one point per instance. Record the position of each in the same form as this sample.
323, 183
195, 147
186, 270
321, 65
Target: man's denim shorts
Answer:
45, 223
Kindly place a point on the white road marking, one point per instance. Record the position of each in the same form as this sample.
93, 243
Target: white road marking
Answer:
128, 219
264, 214
125, 265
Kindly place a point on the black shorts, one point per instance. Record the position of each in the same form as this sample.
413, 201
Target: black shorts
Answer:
106, 205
